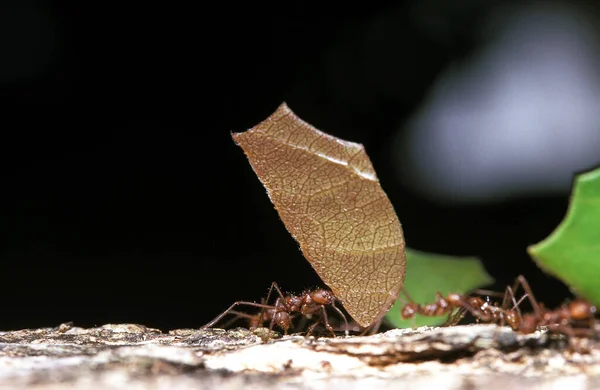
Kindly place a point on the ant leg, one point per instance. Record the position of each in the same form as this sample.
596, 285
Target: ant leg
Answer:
592, 324
346, 331
582, 332
508, 293
266, 301
236, 316
521, 281
454, 317
311, 329
233, 306
374, 328
571, 333
478, 308
258, 320
511, 292
484, 292
516, 304
325, 320
274, 286
272, 323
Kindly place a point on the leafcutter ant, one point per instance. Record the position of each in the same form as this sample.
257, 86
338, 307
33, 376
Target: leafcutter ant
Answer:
286, 308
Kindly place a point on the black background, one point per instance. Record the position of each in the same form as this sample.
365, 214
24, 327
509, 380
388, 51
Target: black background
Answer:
125, 199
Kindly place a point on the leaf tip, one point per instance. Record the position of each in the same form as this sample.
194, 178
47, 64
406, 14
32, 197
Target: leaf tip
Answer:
284, 107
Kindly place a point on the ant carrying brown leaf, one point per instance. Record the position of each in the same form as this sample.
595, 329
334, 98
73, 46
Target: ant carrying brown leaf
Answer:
285, 308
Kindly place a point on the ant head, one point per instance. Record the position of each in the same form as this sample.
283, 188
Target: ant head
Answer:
409, 310
581, 310
323, 297
512, 318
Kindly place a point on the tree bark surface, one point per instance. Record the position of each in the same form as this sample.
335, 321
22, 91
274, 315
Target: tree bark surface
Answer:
130, 356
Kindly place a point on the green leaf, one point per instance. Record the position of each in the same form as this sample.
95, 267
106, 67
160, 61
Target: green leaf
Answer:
427, 273
572, 251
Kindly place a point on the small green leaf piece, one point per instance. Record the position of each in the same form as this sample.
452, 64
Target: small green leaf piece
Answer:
427, 273
572, 251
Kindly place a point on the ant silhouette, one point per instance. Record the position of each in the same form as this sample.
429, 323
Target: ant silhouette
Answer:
286, 308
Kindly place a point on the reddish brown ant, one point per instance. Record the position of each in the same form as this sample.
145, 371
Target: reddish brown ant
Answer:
575, 318
455, 305
285, 308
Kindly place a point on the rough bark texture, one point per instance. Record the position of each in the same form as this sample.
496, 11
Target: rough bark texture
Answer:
132, 356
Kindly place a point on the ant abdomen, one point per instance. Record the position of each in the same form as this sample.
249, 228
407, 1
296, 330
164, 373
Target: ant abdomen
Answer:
283, 320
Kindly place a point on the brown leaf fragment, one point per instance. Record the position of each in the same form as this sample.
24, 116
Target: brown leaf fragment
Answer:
329, 198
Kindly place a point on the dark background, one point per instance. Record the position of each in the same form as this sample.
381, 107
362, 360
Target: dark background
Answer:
124, 197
